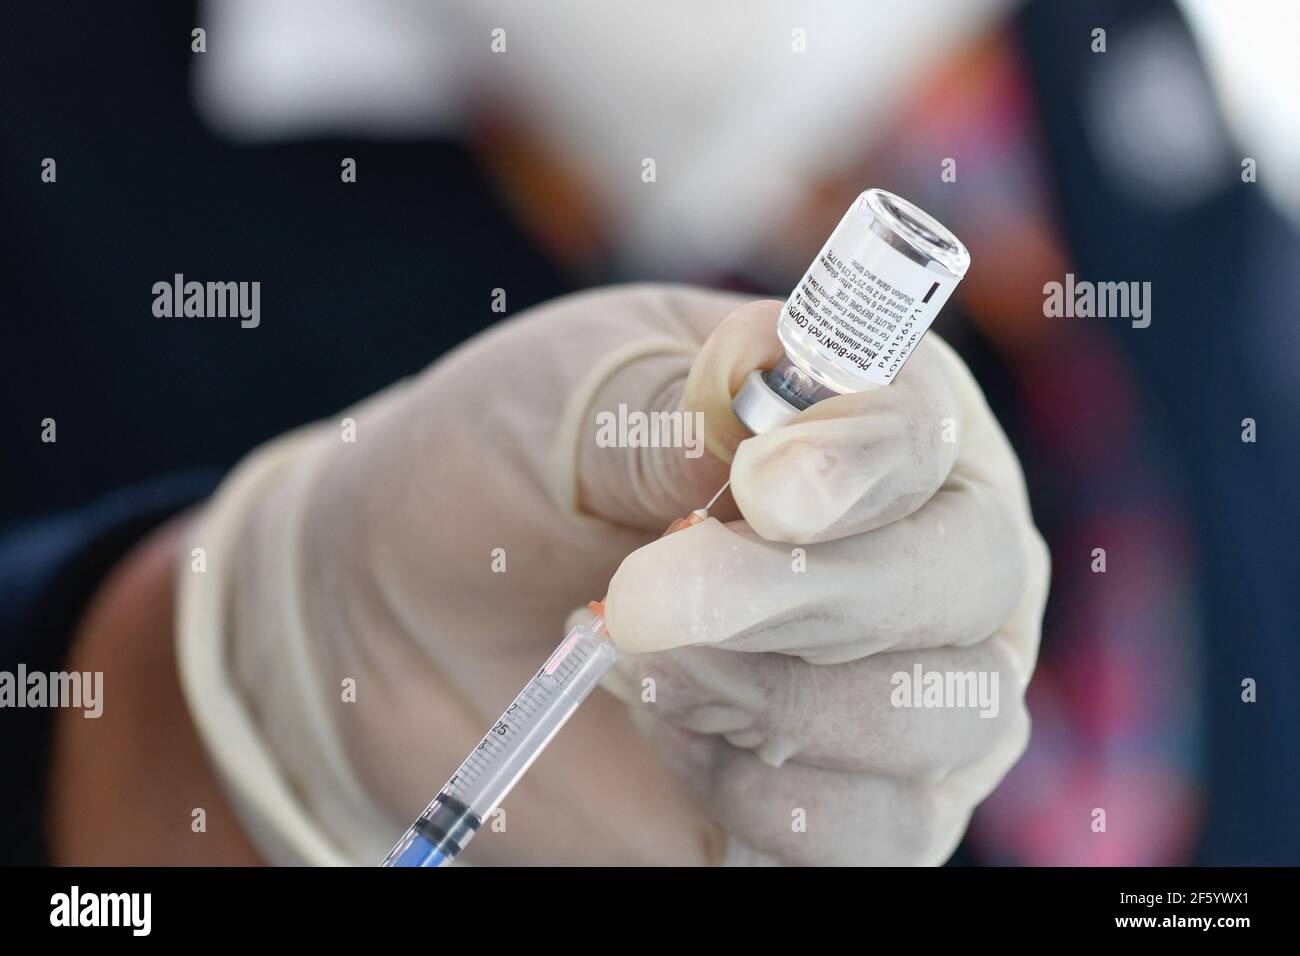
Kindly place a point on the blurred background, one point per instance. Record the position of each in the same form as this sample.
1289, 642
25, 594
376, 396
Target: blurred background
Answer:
514, 160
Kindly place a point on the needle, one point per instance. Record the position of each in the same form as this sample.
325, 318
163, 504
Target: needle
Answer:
714, 499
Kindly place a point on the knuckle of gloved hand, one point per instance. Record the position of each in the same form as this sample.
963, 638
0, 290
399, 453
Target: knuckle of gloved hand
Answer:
846, 469
781, 708
684, 687
1024, 730
938, 825
659, 598
1038, 555
929, 745
915, 828
893, 823
761, 703
1012, 670
1013, 741
1005, 552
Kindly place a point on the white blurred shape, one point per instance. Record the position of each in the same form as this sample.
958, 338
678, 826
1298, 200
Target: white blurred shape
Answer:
1152, 119
280, 69
736, 121
1250, 49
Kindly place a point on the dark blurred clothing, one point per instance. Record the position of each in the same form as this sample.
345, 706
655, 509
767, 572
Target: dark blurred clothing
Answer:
362, 283
1223, 346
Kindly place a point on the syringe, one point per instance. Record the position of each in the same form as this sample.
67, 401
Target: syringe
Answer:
492, 769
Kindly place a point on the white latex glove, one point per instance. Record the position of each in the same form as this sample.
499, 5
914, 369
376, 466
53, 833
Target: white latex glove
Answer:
774, 666
369, 565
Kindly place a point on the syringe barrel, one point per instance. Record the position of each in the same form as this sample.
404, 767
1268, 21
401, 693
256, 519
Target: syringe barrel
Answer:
437, 837
491, 770
509, 748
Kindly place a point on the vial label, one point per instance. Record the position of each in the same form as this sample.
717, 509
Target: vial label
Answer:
863, 305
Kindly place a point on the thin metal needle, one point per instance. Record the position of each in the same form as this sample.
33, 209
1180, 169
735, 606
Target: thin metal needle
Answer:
714, 499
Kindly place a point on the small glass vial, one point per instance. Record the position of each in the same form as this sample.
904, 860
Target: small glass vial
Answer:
859, 310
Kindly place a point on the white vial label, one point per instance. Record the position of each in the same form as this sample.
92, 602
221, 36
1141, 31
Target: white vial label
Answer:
862, 306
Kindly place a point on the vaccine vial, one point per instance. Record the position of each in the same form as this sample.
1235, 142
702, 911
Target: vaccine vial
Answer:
859, 311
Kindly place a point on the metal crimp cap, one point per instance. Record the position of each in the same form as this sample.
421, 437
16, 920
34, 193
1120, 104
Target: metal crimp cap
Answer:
759, 408
770, 399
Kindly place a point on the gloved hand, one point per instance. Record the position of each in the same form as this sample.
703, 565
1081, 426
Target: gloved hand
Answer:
370, 605
785, 679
